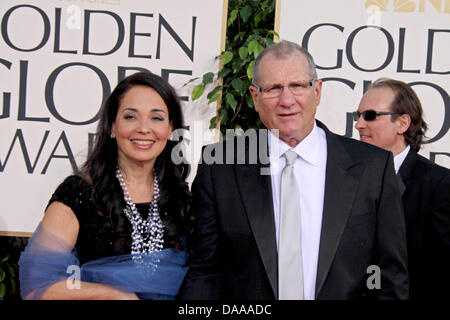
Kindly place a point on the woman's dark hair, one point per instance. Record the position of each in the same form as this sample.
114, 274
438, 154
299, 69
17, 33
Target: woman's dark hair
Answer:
406, 102
100, 166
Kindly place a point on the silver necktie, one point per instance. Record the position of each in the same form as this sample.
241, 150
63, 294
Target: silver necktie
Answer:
290, 266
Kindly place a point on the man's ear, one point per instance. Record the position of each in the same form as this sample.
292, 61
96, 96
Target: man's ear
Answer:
254, 92
318, 91
403, 123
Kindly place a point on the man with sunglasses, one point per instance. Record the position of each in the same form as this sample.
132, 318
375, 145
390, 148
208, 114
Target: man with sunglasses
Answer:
390, 116
325, 217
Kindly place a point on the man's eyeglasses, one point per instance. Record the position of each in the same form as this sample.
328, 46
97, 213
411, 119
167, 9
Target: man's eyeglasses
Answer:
369, 115
297, 88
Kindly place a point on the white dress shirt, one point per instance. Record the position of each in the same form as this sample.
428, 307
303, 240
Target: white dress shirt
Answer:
309, 170
398, 159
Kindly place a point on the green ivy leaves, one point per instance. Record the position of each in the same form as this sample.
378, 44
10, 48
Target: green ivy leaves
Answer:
255, 48
198, 91
208, 78
250, 70
231, 101
232, 17
243, 52
7, 273
249, 31
245, 13
214, 94
239, 85
200, 88
227, 56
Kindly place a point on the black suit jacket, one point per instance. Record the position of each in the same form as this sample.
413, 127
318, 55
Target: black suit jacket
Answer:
426, 201
234, 247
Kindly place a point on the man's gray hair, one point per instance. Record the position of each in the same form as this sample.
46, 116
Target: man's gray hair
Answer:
283, 49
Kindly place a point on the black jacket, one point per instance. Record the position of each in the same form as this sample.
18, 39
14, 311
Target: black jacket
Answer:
235, 255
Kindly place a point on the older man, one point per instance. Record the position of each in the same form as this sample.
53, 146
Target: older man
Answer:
390, 116
326, 218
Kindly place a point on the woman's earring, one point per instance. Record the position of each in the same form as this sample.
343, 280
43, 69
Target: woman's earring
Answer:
112, 136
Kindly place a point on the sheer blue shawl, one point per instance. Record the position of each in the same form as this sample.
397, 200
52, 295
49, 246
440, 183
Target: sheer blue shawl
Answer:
48, 259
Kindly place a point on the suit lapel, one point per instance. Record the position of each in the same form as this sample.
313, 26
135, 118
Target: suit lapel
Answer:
407, 167
401, 184
256, 192
342, 181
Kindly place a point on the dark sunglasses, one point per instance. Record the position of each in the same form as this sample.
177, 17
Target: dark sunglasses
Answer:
369, 115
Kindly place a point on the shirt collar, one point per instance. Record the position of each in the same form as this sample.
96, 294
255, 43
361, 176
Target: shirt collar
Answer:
398, 159
308, 149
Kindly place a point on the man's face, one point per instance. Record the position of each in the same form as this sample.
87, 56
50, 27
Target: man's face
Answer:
381, 132
293, 115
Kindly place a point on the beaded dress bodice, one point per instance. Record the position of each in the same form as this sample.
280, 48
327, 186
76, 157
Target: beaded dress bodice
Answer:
99, 235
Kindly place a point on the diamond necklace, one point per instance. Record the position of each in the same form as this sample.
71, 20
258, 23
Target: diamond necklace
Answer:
147, 235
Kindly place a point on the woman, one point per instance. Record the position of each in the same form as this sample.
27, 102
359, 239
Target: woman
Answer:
124, 216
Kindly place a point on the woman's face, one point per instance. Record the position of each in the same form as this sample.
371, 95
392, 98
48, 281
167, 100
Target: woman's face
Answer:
141, 127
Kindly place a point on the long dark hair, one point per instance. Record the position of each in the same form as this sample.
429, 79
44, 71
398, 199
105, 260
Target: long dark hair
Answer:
100, 166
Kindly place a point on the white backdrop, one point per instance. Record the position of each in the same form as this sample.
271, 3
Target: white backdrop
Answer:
355, 42
60, 58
